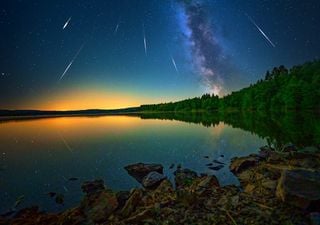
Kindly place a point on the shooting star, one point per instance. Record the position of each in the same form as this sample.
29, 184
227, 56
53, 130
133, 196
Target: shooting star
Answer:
70, 64
174, 64
145, 41
261, 31
66, 24
116, 29
65, 143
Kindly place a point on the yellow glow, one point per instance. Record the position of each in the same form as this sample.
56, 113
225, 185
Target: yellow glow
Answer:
87, 99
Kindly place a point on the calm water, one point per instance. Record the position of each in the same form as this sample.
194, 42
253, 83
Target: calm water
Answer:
39, 156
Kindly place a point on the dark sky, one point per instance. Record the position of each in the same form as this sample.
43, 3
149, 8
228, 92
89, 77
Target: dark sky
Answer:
59, 54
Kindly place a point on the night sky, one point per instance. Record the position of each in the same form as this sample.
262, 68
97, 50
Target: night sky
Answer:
59, 54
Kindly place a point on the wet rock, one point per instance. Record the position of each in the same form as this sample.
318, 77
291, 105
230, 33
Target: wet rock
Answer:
184, 177
51, 194
239, 164
152, 179
289, 147
300, 188
89, 187
98, 203
218, 162
132, 202
122, 197
140, 170
59, 199
98, 206
171, 166
216, 167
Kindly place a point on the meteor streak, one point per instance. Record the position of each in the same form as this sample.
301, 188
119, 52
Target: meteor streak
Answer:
66, 24
70, 64
261, 31
174, 64
116, 29
145, 41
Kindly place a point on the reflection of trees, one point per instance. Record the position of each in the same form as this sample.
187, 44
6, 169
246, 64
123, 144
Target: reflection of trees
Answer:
302, 129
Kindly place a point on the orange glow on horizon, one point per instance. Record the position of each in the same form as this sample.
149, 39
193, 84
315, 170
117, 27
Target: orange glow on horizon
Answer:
80, 100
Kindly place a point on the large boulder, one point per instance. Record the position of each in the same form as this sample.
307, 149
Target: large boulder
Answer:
242, 163
153, 179
98, 203
300, 188
140, 170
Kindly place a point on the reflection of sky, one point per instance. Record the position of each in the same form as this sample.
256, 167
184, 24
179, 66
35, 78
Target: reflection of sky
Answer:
40, 154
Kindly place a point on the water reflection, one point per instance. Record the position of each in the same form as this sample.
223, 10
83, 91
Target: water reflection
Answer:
38, 156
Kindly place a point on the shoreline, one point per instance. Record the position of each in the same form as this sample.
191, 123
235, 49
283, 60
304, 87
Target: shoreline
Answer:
275, 188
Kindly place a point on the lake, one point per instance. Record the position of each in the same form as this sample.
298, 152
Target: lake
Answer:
40, 155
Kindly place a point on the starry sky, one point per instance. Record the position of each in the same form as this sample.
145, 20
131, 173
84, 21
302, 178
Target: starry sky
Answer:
81, 54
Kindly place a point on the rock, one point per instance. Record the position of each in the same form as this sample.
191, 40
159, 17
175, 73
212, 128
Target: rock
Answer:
140, 217
289, 147
314, 218
89, 187
99, 206
184, 177
218, 162
152, 179
300, 188
240, 164
249, 188
269, 184
266, 148
98, 203
219, 167
264, 152
206, 184
275, 157
132, 202
165, 187
309, 149
122, 197
140, 170
59, 199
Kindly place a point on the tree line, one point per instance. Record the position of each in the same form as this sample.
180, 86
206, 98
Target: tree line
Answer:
281, 89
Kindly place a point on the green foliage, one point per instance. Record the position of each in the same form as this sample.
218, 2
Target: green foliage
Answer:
281, 90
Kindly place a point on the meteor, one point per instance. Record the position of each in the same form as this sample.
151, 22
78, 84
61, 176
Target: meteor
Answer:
66, 24
116, 29
71, 62
174, 64
261, 31
145, 41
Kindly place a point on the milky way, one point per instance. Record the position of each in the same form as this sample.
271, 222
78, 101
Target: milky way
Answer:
209, 59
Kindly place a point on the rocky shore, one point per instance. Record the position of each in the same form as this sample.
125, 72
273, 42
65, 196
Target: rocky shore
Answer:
276, 188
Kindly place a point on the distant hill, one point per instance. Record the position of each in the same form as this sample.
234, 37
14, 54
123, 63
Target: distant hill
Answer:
39, 113
280, 90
